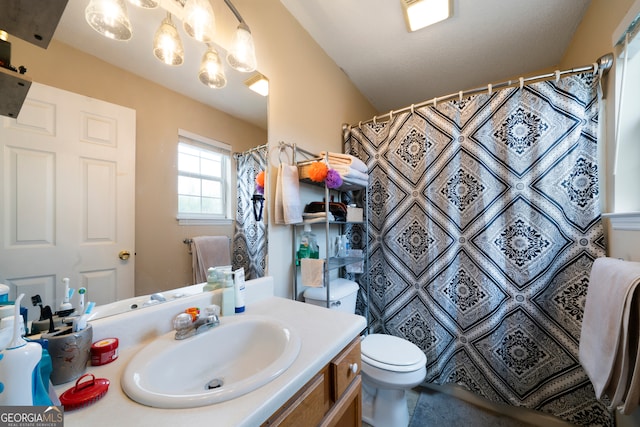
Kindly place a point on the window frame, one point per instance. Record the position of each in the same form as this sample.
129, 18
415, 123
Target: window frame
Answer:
211, 145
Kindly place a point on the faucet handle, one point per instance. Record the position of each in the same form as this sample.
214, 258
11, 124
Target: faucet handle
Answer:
182, 322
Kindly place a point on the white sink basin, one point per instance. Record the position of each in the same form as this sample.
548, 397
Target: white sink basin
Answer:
240, 355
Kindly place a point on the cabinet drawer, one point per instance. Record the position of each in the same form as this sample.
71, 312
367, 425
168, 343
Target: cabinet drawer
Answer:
307, 407
345, 368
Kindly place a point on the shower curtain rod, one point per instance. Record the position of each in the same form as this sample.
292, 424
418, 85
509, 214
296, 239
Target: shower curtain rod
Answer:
602, 65
251, 150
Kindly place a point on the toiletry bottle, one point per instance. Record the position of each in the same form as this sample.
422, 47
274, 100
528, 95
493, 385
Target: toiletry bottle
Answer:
17, 364
238, 285
212, 280
308, 245
228, 295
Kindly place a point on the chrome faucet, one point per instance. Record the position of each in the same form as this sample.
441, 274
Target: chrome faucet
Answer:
186, 328
157, 297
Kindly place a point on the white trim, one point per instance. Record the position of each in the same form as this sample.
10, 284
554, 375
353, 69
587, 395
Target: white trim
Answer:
624, 220
198, 138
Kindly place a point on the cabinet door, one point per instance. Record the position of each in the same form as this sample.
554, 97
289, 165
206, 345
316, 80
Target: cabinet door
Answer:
344, 368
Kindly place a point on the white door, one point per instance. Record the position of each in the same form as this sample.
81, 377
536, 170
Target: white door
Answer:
67, 205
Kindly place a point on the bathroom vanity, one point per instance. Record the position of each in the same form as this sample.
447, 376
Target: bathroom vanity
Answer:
321, 387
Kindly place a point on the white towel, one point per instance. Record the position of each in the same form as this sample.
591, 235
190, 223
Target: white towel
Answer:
355, 181
349, 172
312, 272
287, 203
345, 159
208, 251
604, 346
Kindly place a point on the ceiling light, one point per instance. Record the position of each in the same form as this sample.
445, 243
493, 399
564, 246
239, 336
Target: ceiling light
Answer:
211, 71
422, 13
109, 18
167, 46
198, 20
259, 84
145, 4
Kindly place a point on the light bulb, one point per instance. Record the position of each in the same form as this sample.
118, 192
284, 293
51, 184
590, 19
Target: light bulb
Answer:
211, 71
109, 18
198, 20
167, 46
242, 55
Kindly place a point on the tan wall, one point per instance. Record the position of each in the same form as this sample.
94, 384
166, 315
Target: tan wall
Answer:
162, 260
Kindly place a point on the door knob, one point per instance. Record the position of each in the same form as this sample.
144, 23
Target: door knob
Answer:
124, 255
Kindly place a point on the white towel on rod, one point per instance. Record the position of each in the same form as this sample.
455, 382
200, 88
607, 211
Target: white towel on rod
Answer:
288, 209
345, 159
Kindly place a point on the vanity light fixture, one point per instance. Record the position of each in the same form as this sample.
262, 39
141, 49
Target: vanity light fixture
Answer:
167, 46
258, 83
109, 18
422, 13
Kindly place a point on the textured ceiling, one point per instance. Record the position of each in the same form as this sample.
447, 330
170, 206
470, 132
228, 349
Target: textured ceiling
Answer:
486, 41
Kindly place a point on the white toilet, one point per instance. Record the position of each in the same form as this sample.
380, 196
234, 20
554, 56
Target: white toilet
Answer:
390, 365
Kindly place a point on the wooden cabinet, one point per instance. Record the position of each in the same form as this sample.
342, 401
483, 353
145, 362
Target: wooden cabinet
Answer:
331, 398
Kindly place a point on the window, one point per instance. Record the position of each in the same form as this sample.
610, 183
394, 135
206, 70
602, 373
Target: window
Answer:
203, 180
626, 209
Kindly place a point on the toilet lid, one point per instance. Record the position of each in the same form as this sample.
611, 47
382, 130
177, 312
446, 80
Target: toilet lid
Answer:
391, 353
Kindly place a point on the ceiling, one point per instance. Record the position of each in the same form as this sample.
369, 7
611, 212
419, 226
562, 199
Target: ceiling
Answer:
486, 41
136, 56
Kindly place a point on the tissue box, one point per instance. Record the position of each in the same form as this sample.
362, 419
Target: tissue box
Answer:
354, 214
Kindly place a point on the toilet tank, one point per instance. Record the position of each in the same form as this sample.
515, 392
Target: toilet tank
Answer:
343, 295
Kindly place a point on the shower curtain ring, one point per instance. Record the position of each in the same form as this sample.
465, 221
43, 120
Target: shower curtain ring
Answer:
374, 120
595, 68
412, 109
557, 76
391, 115
521, 82
460, 95
490, 89
435, 102
360, 125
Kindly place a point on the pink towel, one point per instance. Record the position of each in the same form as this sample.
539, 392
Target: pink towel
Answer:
209, 251
604, 345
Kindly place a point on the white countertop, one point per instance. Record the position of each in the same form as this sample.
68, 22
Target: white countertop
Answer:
323, 334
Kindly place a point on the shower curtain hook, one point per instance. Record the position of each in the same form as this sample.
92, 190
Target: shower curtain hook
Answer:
390, 115
412, 109
595, 68
360, 125
521, 82
490, 89
435, 102
460, 95
557, 76
374, 120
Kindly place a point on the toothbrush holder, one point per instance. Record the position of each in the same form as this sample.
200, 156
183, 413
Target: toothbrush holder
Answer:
70, 352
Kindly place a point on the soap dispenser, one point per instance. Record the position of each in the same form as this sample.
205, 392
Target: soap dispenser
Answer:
228, 295
17, 364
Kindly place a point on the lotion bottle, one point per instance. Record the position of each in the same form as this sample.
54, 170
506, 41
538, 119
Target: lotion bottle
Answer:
228, 296
238, 285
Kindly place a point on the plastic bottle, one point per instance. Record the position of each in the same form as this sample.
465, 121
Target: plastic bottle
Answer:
212, 280
238, 286
308, 247
17, 366
228, 296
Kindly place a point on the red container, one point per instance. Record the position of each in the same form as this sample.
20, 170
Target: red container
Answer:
104, 351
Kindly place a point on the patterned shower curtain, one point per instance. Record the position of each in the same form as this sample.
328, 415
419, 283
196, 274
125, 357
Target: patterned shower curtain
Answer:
250, 235
484, 221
